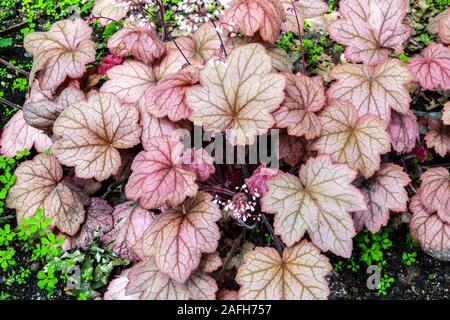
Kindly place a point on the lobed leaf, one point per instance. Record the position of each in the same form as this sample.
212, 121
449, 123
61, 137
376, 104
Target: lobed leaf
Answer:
108, 11
438, 137
304, 97
429, 230
299, 274
90, 134
383, 193
304, 9
39, 186
404, 131
129, 224
219, 103
250, 16
357, 141
370, 29
116, 288
372, 90
131, 82
435, 192
137, 40
257, 183
61, 52
444, 27
178, 237
446, 115
432, 70
291, 149
200, 162
159, 176
18, 135
319, 202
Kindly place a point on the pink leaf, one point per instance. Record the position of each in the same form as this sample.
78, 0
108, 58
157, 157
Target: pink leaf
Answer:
206, 42
210, 262
250, 16
404, 131
304, 97
116, 288
429, 230
148, 283
372, 90
370, 29
435, 192
446, 115
130, 223
158, 176
432, 70
200, 162
299, 274
108, 62
167, 99
39, 185
17, 135
257, 183
109, 11
61, 52
137, 40
292, 149
99, 216
303, 9
383, 193
348, 138
319, 202
175, 60
444, 27
178, 237
90, 134
217, 104
130, 82
438, 137
157, 127
42, 113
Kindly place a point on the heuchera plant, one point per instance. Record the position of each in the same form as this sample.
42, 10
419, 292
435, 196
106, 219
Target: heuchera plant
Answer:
122, 123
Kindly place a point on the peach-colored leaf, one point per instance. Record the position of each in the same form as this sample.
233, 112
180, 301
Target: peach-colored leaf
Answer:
206, 42
157, 127
384, 192
116, 288
109, 11
404, 131
41, 114
17, 135
238, 95
432, 70
200, 162
250, 16
299, 274
435, 192
429, 230
90, 134
444, 27
61, 52
167, 99
148, 283
292, 149
257, 183
210, 262
303, 9
446, 114
159, 177
178, 238
130, 223
98, 217
372, 90
137, 40
174, 60
348, 138
319, 202
39, 185
131, 82
304, 97
438, 137
370, 29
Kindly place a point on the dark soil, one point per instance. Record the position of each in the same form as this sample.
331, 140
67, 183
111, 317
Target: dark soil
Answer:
426, 279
